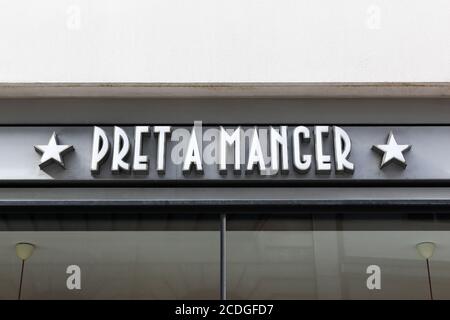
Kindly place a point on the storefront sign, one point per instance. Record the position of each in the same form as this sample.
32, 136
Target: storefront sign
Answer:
224, 153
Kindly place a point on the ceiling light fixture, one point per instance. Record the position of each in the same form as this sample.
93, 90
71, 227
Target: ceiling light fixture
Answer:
426, 250
23, 251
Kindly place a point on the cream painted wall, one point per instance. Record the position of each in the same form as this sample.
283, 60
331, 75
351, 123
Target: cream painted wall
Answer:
224, 41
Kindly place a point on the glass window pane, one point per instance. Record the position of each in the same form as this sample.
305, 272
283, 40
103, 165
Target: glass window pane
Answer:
156, 257
326, 257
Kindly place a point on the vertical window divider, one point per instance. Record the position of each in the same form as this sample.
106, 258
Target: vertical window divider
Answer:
223, 257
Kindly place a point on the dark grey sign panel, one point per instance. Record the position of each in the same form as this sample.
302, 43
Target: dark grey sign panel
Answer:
349, 153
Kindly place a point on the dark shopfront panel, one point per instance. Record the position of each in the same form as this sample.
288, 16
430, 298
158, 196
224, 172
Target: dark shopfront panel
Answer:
296, 236
271, 252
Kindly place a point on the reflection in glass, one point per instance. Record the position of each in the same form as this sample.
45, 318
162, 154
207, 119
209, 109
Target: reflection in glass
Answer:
169, 259
268, 259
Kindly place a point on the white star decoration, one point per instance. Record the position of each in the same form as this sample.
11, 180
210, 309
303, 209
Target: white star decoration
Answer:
52, 152
392, 151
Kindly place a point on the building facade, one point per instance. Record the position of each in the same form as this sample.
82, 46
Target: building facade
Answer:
225, 191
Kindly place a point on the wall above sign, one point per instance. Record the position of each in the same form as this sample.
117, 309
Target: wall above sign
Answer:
157, 154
